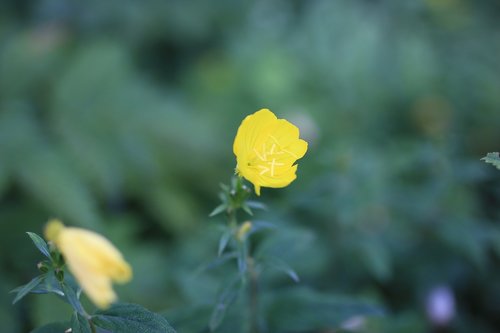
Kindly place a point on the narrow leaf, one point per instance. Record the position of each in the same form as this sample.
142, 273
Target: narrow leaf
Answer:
224, 187
242, 258
225, 298
217, 262
40, 244
247, 209
224, 240
131, 318
49, 285
256, 205
219, 209
280, 265
22, 291
261, 225
72, 298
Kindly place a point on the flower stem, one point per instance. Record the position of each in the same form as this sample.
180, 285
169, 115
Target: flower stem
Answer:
92, 326
238, 194
253, 290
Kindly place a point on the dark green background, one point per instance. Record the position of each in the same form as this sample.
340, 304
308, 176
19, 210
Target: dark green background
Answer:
119, 116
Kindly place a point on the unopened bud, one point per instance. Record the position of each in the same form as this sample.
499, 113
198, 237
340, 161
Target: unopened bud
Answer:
60, 275
243, 230
42, 267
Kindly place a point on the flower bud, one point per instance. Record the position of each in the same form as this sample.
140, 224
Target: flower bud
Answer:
43, 266
243, 230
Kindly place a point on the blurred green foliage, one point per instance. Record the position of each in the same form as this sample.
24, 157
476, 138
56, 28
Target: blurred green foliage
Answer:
119, 116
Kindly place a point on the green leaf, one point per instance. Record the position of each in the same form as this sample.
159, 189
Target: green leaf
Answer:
224, 240
302, 309
52, 328
246, 208
217, 262
492, 158
22, 291
224, 187
262, 225
72, 298
256, 205
40, 244
80, 324
48, 285
219, 209
242, 257
131, 318
280, 265
225, 298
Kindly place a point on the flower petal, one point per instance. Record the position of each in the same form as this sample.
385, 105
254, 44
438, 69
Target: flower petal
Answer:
250, 129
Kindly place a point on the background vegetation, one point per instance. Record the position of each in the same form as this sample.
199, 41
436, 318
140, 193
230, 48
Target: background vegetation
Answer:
119, 116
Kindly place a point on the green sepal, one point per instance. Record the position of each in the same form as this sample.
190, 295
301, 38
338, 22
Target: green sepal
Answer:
59, 273
44, 266
131, 318
57, 258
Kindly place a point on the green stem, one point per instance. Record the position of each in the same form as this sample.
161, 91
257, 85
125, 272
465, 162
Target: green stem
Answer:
240, 194
253, 290
232, 220
92, 326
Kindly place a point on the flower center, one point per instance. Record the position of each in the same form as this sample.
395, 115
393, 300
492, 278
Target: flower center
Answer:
269, 155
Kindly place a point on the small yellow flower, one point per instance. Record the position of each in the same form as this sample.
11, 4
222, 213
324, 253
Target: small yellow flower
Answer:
266, 149
92, 259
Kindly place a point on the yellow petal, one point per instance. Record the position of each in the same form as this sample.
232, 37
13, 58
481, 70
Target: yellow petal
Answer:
250, 129
96, 250
97, 286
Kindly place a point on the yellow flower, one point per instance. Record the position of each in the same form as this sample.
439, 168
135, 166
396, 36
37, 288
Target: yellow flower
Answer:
266, 149
92, 259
